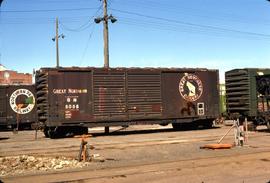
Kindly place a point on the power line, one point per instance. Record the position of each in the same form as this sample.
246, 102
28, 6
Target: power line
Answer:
43, 20
79, 29
188, 30
193, 24
54, 1
87, 44
24, 22
147, 24
191, 12
47, 10
83, 26
90, 35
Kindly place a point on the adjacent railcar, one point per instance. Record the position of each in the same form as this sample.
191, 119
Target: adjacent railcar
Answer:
17, 106
246, 94
77, 98
263, 100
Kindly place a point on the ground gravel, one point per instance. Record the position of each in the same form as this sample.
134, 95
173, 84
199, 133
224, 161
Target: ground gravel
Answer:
14, 165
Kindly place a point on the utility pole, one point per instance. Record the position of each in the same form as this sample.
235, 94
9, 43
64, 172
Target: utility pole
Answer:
1, 1
56, 42
105, 19
56, 39
105, 35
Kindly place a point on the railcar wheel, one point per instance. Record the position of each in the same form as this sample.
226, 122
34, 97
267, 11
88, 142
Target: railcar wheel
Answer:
53, 132
176, 126
79, 130
190, 126
268, 125
84, 130
163, 124
46, 132
185, 126
208, 124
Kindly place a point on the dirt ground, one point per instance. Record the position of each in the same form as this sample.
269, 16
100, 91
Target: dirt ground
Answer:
144, 154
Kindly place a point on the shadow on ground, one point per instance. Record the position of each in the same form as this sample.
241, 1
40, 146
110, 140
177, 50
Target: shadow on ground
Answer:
124, 131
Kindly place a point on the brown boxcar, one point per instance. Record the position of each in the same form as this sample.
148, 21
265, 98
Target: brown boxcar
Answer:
17, 106
69, 98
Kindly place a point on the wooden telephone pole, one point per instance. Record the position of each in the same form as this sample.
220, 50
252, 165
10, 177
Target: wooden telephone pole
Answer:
105, 20
105, 35
56, 43
56, 39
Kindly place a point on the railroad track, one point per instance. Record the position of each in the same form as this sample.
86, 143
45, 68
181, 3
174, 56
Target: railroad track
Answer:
144, 169
64, 150
119, 170
103, 146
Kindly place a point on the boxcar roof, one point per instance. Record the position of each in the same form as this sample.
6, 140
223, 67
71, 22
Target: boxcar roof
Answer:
125, 68
239, 69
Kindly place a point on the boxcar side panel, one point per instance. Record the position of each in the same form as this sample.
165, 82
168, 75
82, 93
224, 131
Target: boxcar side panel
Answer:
69, 97
144, 95
263, 94
3, 106
18, 104
122, 96
253, 92
21, 104
190, 94
109, 95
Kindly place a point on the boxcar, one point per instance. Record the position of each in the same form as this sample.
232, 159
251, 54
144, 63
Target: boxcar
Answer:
246, 94
70, 99
17, 106
263, 101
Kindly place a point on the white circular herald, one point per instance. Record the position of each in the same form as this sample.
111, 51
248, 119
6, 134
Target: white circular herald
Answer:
27, 102
190, 87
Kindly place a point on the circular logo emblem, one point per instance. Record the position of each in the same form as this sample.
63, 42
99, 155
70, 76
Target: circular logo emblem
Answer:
22, 101
190, 87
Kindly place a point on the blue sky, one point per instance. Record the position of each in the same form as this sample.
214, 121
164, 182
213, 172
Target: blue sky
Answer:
223, 34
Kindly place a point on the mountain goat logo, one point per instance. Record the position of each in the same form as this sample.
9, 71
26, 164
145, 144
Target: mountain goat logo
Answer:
190, 87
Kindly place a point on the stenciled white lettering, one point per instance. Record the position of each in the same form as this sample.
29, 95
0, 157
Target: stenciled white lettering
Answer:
59, 91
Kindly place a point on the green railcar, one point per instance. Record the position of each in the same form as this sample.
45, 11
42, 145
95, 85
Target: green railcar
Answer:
242, 95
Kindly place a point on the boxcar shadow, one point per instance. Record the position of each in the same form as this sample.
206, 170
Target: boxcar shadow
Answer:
12, 129
263, 130
4, 138
132, 132
123, 131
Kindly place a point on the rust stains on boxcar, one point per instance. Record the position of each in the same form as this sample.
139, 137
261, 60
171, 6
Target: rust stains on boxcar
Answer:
113, 95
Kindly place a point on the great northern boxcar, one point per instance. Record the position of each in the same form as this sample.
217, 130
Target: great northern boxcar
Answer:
69, 99
247, 94
17, 106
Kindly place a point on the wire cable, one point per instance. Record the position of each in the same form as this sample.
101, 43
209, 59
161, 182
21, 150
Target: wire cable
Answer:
90, 36
194, 25
79, 29
189, 12
87, 45
83, 26
47, 10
